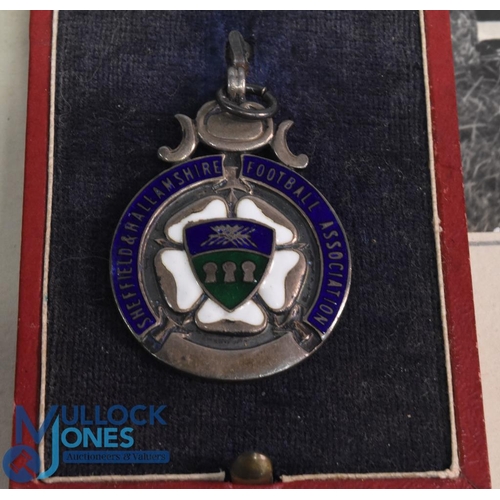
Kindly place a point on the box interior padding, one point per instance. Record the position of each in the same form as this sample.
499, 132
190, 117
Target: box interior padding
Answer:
374, 398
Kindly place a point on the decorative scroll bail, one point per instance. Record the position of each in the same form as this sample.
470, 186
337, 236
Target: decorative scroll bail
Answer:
187, 146
232, 123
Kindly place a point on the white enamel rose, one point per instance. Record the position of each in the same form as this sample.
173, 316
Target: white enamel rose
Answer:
278, 289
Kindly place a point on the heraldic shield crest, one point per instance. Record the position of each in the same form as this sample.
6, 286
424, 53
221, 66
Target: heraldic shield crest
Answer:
229, 258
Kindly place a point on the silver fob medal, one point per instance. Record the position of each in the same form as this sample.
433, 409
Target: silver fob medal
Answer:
231, 266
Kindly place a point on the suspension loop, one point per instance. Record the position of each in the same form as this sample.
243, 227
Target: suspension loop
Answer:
233, 97
236, 84
238, 53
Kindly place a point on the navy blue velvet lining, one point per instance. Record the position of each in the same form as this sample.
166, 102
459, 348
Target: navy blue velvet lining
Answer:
374, 397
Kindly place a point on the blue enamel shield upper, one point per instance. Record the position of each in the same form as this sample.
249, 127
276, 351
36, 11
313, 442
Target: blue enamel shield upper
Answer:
229, 234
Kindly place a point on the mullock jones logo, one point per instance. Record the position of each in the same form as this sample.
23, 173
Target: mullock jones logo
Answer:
95, 436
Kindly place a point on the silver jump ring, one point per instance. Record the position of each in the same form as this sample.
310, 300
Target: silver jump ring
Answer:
253, 114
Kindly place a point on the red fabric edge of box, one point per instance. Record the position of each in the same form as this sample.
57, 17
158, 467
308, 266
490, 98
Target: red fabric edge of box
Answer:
471, 433
28, 358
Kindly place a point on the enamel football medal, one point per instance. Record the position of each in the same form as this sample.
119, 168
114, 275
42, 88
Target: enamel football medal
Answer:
231, 266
